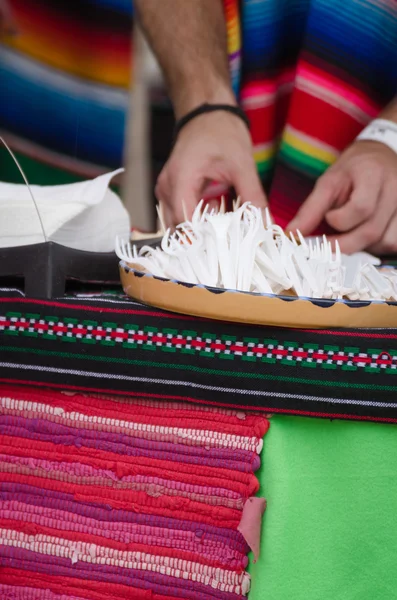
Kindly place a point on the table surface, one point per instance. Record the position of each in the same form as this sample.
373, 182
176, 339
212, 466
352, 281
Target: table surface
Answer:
106, 342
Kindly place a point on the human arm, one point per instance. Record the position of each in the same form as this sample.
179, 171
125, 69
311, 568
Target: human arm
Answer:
189, 40
357, 196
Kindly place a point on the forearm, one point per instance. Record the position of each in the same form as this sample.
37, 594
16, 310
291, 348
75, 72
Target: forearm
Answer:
189, 39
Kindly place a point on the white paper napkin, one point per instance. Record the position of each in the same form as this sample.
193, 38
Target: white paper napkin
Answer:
85, 215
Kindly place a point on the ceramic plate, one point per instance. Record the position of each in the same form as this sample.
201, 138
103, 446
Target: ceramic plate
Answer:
259, 309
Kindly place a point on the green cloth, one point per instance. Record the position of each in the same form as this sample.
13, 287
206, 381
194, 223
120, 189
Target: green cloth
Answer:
37, 173
330, 528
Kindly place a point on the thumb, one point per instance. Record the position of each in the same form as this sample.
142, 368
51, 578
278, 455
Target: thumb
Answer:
315, 207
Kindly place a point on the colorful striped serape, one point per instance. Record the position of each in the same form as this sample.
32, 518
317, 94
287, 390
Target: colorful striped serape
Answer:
106, 497
310, 74
65, 82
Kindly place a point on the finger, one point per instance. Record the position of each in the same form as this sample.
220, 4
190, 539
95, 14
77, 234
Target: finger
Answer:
324, 195
162, 188
185, 192
167, 214
372, 231
388, 244
162, 192
248, 185
360, 206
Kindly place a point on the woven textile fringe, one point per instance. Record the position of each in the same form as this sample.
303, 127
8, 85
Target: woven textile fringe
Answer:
110, 497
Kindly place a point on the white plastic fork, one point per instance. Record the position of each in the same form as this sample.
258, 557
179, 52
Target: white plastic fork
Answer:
171, 245
378, 284
260, 281
248, 244
317, 262
192, 246
123, 249
131, 257
220, 225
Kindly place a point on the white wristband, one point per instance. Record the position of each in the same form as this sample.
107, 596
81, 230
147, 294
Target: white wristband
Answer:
381, 130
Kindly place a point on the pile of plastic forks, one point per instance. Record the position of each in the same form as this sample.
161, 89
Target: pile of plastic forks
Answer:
239, 250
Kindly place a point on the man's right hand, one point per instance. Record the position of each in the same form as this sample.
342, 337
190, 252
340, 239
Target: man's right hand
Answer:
212, 147
190, 42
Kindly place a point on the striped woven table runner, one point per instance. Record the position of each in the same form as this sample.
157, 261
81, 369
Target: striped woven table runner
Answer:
107, 497
108, 343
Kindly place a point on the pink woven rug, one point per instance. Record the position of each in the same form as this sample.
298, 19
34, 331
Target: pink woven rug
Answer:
105, 497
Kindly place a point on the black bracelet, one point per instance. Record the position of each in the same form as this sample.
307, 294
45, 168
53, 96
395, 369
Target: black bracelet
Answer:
206, 108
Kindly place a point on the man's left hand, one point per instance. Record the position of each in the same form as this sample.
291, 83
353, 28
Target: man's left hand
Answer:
357, 196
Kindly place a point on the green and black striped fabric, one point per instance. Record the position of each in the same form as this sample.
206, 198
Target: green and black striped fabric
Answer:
108, 343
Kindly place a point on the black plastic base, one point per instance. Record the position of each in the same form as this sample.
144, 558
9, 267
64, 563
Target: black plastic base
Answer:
46, 267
